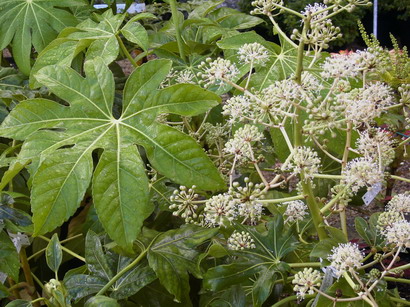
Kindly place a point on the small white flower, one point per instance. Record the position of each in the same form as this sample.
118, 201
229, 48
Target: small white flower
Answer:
247, 198
398, 234
237, 108
373, 144
241, 144
400, 203
215, 72
265, 6
362, 172
182, 202
253, 53
340, 66
346, 256
304, 159
305, 281
295, 210
218, 209
185, 76
241, 241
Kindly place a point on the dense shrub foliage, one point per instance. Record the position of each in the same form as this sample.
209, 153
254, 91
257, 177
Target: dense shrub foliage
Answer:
225, 170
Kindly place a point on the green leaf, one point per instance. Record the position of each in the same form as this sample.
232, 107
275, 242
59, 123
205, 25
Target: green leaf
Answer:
174, 254
262, 287
16, 216
19, 303
81, 285
96, 261
132, 281
9, 258
32, 23
368, 230
100, 300
136, 33
3, 291
54, 254
61, 139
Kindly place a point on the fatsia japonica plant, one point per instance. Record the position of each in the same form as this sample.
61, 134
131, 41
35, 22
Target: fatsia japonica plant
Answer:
227, 171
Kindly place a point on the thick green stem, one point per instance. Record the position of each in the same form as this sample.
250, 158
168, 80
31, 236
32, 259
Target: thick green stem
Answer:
177, 25
394, 279
125, 51
281, 200
305, 264
298, 140
122, 272
400, 178
401, 301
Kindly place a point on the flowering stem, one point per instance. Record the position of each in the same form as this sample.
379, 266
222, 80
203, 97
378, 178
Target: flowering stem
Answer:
331, 203
305, 264
400, 301
326, 176
400, 178
394, 279
281, 200
279, 30
175, 20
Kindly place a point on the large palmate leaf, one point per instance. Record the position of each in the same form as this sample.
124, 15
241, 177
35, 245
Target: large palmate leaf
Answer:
60, 140
26, 23
96, 38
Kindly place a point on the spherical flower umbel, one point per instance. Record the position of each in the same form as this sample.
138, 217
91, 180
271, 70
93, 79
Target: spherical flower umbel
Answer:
238, 108
183, 203
376, 144
387, 219
240, 241
218, 209
362, 172
217, 72
304, 159
400, 203
265, 7
344, 257
305, 281
398, 234
241, 144
185, 76
254, 54
295, 210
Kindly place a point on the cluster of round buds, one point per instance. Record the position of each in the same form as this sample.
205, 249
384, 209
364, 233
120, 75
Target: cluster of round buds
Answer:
217, 71
239, 241
400, 203
365, 104
185, 76
376, 144
387, 219
254, 54
248, 200
296, 210
168, 79
362, 172
277, 99
340, 66
183, 202
219, 209
266, 7
350, 6
322, 117
215, 133
345, 195
241, 144
310, 83
322, 31
404, 91
303, 159
305, 281
238, 108
398, 234
344, 257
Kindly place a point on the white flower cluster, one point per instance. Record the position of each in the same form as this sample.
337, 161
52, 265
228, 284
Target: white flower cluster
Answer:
365, 104
400, 203
182, 202
322, 31
240, 241
241, 144
185, 76
219, 209
375, 144
349, 65
305, 281
362, 172
344, 257
387, 219
265, 7
215, 133
238, 108
398, 234
215, 72
404, 91
350, 6
254, 54
303, 159
248, 200
296, 210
